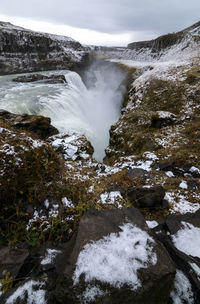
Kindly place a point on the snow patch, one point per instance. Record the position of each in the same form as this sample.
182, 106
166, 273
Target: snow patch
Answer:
29, 289
115, 259
67, 203
169, 174
179, 204
50, 256
196, 269
152, 224
183, 185
91, 293
109, 198
182, 292
187, 239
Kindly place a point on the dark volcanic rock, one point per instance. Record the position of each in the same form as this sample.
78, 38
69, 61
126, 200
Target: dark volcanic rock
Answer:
172, 224
156, 278
137, 172
38, 77
39, 125
150, 197
11, 260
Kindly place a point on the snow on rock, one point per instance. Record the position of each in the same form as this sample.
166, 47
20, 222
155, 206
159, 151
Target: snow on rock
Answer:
67, 203
111, 198
179, 204
187, 239
32, 289
195, 170
165, 115
150, 155
50, 256
169, 174
72, 145
116, 258
152, 224
196, 269
91, 293
182, 292
183, 185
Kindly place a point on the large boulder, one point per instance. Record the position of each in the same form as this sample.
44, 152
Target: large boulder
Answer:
114, 259
38, 125
11, 261
147, 196
180, 234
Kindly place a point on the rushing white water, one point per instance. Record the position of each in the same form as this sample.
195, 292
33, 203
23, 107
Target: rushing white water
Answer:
88, 110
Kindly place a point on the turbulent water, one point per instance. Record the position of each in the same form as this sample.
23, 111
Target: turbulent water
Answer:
89, 108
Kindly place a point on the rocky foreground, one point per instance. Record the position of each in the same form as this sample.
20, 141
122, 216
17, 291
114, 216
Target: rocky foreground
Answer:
127, 230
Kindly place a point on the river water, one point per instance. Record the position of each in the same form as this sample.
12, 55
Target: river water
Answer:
88, 107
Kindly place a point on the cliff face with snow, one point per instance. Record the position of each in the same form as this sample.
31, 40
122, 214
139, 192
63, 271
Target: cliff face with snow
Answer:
23, 50
163, 48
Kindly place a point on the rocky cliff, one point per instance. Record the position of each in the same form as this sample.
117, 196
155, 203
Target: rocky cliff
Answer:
23, 50
164, 41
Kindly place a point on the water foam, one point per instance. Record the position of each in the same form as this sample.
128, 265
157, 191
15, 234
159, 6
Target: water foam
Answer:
87, 110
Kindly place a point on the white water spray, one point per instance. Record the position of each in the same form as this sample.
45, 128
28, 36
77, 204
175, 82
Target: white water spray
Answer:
87, 110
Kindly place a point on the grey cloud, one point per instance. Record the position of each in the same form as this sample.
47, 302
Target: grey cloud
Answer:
109, 16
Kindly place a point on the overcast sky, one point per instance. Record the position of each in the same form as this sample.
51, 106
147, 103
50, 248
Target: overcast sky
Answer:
102, 22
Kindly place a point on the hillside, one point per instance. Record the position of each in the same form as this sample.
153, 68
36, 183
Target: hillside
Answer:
23, 50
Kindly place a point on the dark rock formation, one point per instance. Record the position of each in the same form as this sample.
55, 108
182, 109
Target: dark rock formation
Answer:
38, 125
137, 172
150, 197
72, 146
170, 226
11, 261
39, 77
156, 280
23, 50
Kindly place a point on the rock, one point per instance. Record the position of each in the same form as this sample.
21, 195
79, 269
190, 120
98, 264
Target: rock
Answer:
184, 259
11, 260
39, 77
162, 119
137, 172
150, 197
73, 146
192, 184
38, 125
111, 240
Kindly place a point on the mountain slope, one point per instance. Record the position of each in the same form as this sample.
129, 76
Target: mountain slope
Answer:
23, 50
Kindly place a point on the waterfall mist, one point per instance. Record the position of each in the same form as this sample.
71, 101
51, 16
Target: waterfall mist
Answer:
88, 107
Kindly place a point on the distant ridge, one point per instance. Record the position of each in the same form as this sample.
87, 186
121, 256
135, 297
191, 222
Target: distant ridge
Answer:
164, 41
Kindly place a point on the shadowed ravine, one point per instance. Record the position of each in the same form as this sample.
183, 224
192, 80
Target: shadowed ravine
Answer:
89, 108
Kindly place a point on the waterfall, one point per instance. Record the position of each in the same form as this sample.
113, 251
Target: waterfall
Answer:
88, 107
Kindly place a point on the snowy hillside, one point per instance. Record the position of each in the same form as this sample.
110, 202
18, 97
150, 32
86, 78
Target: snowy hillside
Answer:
23, 50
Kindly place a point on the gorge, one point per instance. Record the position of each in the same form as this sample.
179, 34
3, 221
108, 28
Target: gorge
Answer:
99, 170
